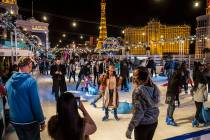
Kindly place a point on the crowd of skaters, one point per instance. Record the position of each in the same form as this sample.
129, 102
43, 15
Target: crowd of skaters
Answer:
110, 75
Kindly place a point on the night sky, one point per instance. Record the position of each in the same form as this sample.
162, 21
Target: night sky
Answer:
121, 13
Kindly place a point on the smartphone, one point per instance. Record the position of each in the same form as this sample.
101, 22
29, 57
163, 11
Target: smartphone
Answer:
78, 101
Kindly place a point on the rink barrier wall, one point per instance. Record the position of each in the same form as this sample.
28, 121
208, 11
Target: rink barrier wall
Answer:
191, 135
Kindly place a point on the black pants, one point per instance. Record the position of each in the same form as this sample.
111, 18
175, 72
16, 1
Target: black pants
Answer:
28, 132
145, 132
124, 84
72, 74
59, 87
171, 109
199, 106
96, 75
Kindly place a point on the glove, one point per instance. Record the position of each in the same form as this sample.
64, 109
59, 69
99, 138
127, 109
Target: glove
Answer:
128, 134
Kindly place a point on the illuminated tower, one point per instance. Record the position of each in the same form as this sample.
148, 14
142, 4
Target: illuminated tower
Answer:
103, 29
11, 6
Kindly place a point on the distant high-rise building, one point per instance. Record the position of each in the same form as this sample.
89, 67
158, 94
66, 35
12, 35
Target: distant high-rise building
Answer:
203, 33
11, 6
103, 28
158, 39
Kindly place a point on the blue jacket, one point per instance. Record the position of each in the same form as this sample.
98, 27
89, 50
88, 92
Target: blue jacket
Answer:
23, 98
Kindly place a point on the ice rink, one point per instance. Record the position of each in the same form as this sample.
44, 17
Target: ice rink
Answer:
115, 130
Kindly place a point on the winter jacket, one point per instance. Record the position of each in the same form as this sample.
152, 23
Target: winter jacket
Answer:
174, 88
145, 106
111, 102
201, 93
61, 68
23, 98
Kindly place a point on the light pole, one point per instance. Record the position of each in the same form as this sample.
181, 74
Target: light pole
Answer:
12, 55
15, 30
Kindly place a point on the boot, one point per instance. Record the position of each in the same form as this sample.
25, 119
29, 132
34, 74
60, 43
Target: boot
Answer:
167, 119
93, 104
115, 115
195, 123
171, 122
106, 117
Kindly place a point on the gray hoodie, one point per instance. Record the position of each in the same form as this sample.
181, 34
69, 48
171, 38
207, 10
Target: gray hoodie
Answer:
145, 105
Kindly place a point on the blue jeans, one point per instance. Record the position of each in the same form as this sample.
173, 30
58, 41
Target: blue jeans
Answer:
28, 132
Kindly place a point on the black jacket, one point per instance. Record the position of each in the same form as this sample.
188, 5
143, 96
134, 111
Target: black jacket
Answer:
60, 68
174, 86
85, 71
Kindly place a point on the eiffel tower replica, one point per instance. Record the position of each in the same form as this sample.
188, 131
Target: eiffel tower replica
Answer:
10, 5
103, 28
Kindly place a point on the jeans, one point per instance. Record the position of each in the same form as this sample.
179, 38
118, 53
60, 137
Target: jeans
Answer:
186, 87
145, 132
171, 109
79, 81
28, 132
199, 106
97, 98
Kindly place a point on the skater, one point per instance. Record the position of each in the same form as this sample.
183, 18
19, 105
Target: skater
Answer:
145, 99
199, 93
102, 83
84, 71
172, 95
96, 72
72, 70
58, 72
185, 77
124, 73
111, 96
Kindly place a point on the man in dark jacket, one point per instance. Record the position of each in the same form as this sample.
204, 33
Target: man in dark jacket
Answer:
25, 109
102, 67
96, 72
58, 72
124, 73
172, 94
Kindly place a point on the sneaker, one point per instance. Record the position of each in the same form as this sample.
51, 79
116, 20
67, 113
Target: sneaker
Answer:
195, 123
167, 119
171, 122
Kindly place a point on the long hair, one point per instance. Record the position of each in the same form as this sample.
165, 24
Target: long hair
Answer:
143, 76
67, 123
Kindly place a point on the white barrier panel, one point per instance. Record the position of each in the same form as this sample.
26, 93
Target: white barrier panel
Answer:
20, 52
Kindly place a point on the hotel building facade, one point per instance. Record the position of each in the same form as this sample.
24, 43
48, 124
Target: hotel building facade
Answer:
203, 34
158, 39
